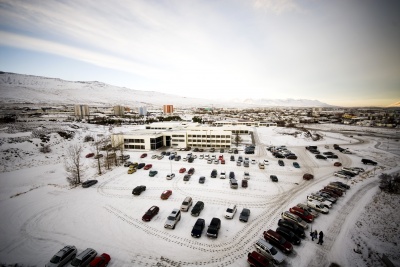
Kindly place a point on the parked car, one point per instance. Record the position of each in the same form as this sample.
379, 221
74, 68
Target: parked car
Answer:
131, 170
244, 215
288, 235
368, 161
197, 208
303, 214
166, 194
173, 219
127, 163
273, 178
214, 227
214, 173
299, 231
154, 156
143, 155
245, 183
230, 211
327, 196
318, 206
170, 176
231, 175
332, 156
100, 261
152, 173
341, 175
308, 176
198, 227
294, 218
150, 213
83, 258
98, 156
90, 155
62, 257
278, 241
307, 208
147, 167
186, 177
269, 251
138, 190
246, 175
337, 164
296, 165
320, 157
291, 156
89, 183
281, 163
191, 171
141, 165
202, 179
322, 200
186, 204
342, 184
256, 259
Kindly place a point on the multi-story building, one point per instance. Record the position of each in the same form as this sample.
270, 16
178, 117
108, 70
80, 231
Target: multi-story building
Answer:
119, 110
142, 111
168, 109
82, 111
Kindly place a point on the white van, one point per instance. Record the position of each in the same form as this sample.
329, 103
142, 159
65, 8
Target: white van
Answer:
222, 175
350, 170
318, 206
261, 165
269, 251
187, 202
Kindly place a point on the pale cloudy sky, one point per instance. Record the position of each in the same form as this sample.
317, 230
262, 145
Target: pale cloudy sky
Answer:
342, 52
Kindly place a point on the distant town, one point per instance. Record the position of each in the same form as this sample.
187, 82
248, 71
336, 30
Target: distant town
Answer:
213, 116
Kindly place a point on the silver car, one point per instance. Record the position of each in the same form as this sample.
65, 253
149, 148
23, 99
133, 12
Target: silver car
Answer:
269, 251
294, 218
62, 257
84, 258
173, 219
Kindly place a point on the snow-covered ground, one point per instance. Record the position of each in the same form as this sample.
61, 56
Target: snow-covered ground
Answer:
41, 213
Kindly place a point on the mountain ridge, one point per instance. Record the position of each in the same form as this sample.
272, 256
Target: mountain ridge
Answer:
25, 88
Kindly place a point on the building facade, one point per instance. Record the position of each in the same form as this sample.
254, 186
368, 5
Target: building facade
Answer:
81, 111
168, 109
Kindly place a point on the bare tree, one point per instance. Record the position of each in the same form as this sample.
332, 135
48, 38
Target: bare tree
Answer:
98, 145
237, 139
74, 165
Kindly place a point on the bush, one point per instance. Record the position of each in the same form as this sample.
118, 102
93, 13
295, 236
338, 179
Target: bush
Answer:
45, 148
88, 138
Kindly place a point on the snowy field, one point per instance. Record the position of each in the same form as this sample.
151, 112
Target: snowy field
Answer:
41, 213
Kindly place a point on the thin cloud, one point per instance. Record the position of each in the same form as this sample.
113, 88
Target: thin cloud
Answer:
277, 6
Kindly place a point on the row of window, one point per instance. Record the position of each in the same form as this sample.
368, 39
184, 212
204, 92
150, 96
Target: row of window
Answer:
134, 147
208, 141
179, 140
208, 145
178, 135
209, 136
133, 140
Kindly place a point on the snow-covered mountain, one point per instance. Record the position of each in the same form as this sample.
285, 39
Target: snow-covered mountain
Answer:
20, 88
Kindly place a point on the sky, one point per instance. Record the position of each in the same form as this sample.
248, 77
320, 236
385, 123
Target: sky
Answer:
343, 52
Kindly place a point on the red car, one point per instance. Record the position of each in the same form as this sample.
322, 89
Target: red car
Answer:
150, 213
100, 261
278, 241
305, 215
166, 194
90, 155
182, 170
308, 176
143, 155
337, 164
336, 191
191, 171
222, 161
148, 166
257, 260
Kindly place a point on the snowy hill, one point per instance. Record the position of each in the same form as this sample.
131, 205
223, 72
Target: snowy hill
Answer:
20, 88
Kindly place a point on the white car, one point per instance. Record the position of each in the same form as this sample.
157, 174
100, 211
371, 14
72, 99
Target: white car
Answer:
170, 176
230, 211
253, 161
201, 156
318, 206
266, 162
341, 175
222, 175
246, 175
